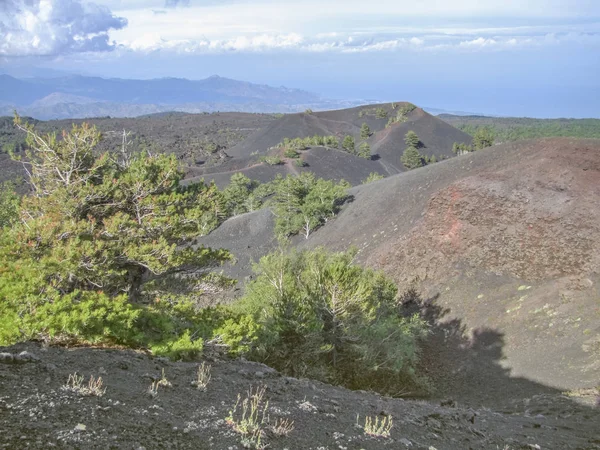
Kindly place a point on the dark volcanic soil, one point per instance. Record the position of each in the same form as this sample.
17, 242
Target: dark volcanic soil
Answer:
387, 144
37, 412
504, 246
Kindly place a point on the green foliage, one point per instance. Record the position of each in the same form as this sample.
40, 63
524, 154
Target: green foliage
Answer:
308, 111
304, 203
483, 138
317, 314
348, 144
305, 143
182, 347
274, 160
460, 148
401, 114
373, 176
365, 131
300, 163
96, 240
412, 140
9, 204
406, 109
291, 153
240, 195
364, 150
507, 129
411, 158
381, 113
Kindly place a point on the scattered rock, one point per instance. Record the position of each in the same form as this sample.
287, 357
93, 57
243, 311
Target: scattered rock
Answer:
25, 357
406, 442
6, 358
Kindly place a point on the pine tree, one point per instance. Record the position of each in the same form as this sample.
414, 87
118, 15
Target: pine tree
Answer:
364, 150
411, 158
365, 131
348, 144
483, 138
412, 140
113, 221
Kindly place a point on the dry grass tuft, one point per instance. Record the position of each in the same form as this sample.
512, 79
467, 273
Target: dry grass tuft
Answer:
203, 377
92, 388
377, 427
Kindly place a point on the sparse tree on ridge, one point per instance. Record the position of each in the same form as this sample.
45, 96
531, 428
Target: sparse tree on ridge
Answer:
483, 138
412, 140
348, 144
412, 159
365, 131
364, 150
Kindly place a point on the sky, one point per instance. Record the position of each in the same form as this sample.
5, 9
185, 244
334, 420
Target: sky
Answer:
537, 58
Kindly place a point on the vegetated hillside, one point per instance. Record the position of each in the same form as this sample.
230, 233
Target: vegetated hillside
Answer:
507, 129
326, 163
504, 243
434, 134
507, 239
39, 410
196, 139
388, 124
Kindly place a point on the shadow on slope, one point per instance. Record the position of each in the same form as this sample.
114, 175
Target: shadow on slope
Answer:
467, 367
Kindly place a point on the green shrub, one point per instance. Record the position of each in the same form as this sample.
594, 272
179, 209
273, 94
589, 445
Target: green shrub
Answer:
272, 160
348, 144
9, 204
364, 151
180, 348
373, 176
365, 131
460, 148
411, 158
97, 242
381, 113
319, 315
303, 203
300, 163
291, 153
484, 137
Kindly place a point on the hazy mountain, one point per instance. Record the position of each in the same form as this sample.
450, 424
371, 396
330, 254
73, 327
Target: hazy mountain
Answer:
80, 96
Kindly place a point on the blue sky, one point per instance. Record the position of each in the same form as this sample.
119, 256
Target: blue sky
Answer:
536, 58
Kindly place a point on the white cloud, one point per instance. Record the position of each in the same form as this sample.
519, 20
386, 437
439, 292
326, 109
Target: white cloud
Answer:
39, 27
338, 43
52, 27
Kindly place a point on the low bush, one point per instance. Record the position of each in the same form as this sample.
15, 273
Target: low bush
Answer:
317, 314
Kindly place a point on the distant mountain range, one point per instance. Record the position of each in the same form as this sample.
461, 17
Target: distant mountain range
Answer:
81, 96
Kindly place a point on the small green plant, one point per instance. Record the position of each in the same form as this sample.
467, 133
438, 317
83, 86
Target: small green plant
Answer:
203, 376
364, 150
163, 382
291, 153
365, 131
373, 176
92, 388
381, 113
300, 163
377, 427
248, 417
348, 144
272, 160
